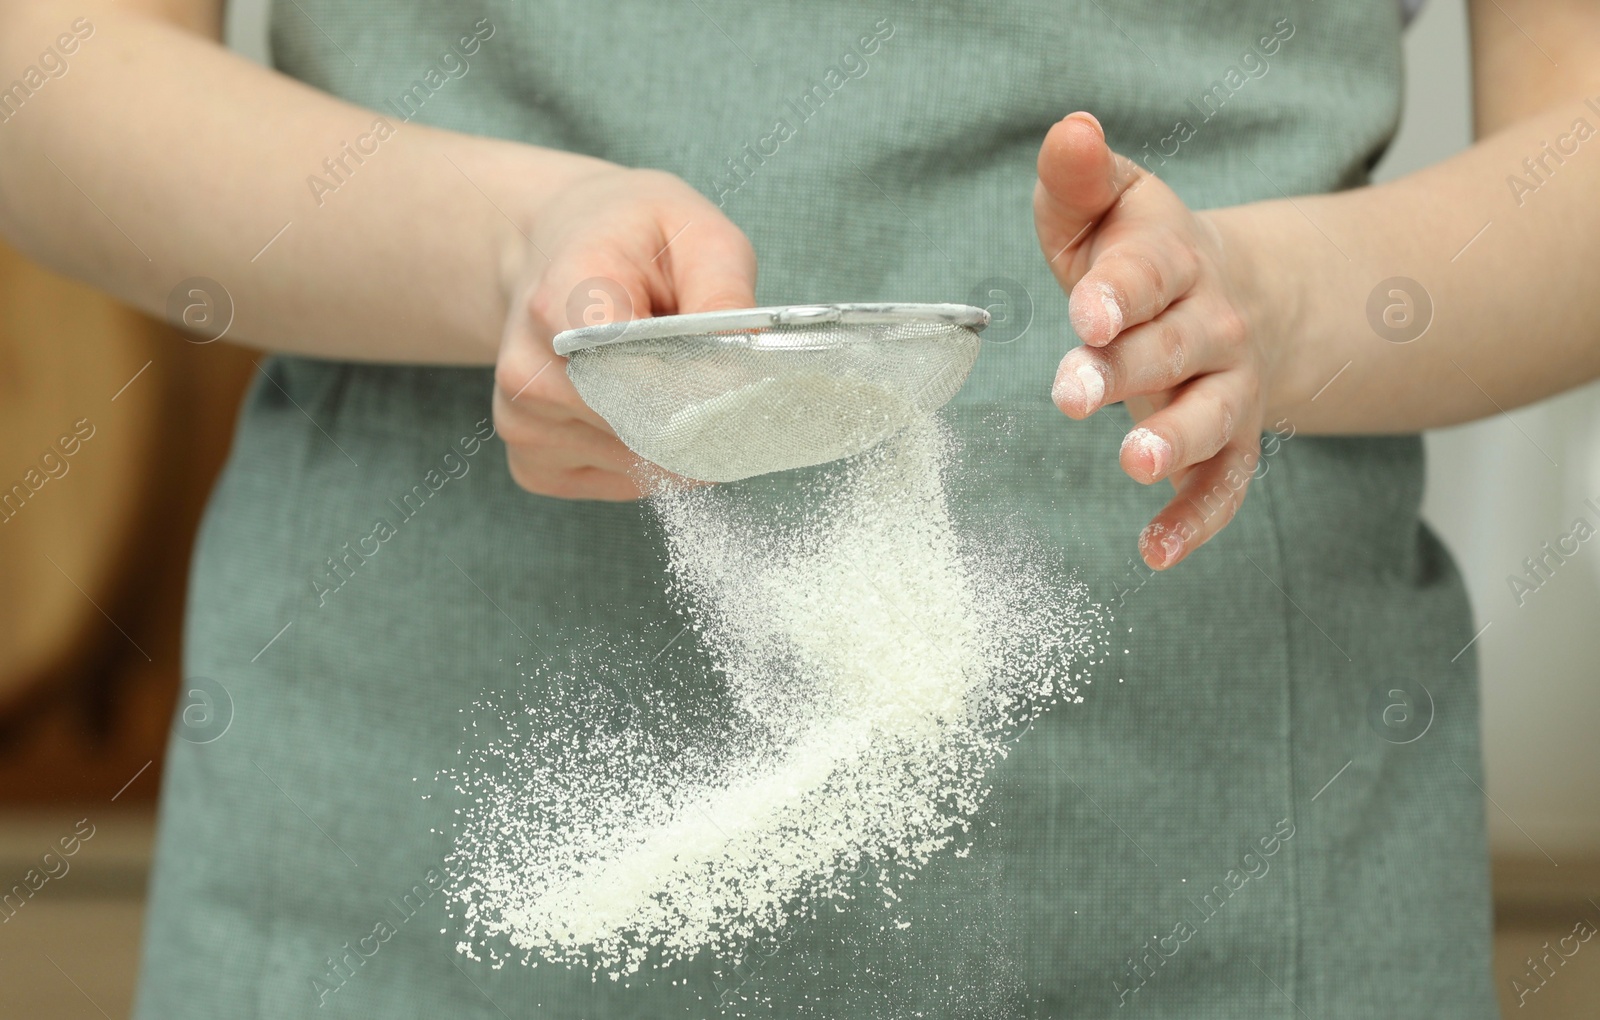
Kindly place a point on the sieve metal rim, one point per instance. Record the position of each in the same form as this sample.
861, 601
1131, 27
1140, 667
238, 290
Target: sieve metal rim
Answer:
739, 322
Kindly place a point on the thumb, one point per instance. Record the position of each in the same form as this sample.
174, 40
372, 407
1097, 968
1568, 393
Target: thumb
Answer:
1080, 179
711, 268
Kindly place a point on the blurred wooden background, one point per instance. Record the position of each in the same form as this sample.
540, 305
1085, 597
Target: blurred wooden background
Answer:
93, 564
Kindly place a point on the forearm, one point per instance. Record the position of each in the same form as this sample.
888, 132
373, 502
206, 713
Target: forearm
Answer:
1503, 240
1511, 277
160, 156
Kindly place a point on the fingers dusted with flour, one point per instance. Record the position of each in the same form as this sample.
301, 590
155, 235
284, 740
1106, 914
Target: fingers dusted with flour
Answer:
1156, 303
1207, 499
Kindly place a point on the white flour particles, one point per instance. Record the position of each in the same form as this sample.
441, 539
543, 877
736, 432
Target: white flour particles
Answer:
869, 662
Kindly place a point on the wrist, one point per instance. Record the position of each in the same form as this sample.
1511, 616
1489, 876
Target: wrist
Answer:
1269, 288
516, 183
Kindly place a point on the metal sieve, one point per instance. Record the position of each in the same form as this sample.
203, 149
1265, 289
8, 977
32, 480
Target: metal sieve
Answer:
719, 396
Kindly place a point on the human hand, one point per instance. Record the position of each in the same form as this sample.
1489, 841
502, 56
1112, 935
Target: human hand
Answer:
1160, 303
615, 244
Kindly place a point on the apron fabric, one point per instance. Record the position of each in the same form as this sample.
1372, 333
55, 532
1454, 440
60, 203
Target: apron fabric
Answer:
1224, 828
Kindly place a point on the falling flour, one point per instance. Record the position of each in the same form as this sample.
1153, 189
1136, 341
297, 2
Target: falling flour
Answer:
870, 662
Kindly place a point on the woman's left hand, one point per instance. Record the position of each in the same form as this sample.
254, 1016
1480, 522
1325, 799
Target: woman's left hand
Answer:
1161, 305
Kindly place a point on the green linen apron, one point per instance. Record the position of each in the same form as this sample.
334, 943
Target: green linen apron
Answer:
1229, 826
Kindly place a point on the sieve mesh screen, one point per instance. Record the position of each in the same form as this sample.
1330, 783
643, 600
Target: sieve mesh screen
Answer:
723, 406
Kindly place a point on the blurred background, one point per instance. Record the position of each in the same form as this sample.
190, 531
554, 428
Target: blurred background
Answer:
92, 584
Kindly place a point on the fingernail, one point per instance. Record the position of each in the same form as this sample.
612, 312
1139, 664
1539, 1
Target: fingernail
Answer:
1160, 545
1094, 386
1148, 443
1068, 389
1090, 119
1108, 301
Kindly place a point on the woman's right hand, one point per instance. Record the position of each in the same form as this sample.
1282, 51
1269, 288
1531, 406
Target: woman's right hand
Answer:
613, 245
